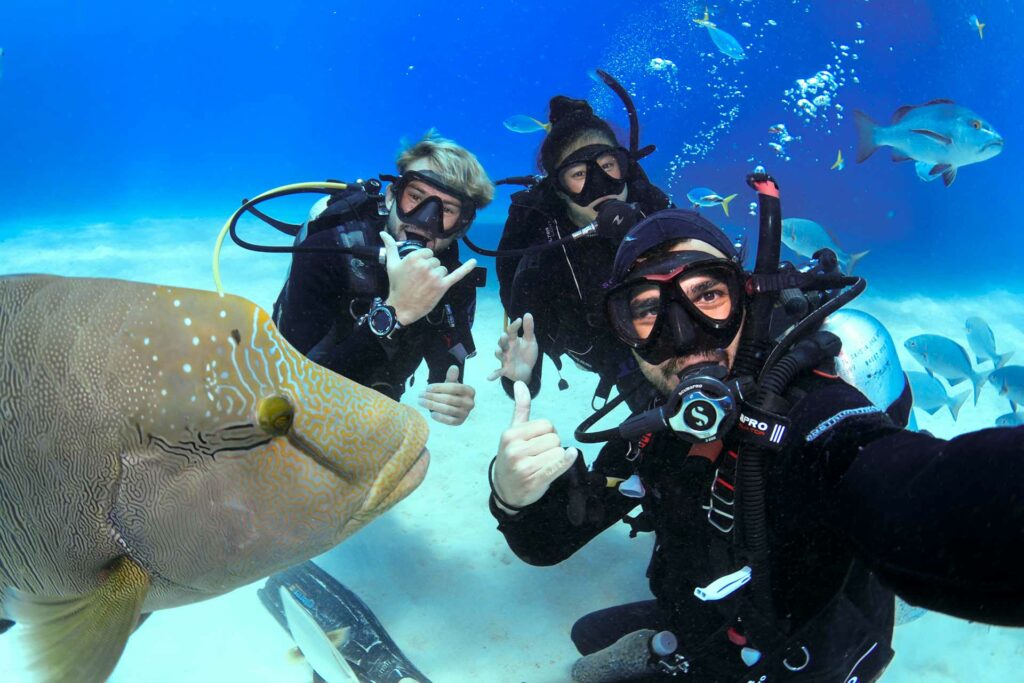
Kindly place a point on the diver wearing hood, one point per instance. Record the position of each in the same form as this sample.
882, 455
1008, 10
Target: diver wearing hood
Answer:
376, 325
556, 294
855, 507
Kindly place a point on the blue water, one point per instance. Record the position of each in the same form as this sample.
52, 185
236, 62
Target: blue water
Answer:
118, 110
125, 122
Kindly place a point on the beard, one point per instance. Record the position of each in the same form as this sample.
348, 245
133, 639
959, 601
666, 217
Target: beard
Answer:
664, 377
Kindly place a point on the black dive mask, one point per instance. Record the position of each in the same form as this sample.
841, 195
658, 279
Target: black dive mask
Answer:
601, 168
686, 303
415, 206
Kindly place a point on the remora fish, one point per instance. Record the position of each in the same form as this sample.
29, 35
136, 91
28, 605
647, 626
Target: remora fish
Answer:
930, 395
705, 196
940, 133
806, 237
161, 446
983, 342
1009, 382
943, 356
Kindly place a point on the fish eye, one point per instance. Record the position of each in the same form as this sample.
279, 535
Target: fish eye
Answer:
976, 124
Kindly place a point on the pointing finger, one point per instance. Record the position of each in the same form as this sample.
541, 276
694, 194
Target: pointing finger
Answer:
460, 272
521, 413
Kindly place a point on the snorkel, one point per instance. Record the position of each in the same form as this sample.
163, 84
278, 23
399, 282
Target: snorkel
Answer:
595, 228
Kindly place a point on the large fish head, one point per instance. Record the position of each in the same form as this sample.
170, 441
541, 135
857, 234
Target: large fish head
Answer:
975, 137
251, 458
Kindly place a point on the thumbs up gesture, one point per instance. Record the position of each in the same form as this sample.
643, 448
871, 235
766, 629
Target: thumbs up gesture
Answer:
449, 402
530, 455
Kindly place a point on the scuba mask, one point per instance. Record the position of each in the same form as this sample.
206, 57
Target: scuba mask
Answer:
437, 217
687, 302
593, 172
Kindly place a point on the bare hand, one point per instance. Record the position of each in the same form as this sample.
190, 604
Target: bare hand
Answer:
449, 402
530, 455
517, 354
417, 282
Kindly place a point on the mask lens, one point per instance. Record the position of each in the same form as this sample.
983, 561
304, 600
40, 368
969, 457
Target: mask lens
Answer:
710, 293
710, 296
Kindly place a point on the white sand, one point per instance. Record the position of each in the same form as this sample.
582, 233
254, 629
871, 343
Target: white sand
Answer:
434, 569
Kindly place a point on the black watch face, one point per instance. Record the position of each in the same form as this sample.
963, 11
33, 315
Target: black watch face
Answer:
381, 321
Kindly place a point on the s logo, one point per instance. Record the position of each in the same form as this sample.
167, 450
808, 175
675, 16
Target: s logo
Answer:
699, 415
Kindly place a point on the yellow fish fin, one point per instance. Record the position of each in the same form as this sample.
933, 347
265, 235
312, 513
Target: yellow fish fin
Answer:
839, 161
725, 203
981, 31
81, 638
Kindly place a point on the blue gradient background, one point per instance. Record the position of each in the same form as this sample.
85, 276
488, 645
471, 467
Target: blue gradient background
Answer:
160, 109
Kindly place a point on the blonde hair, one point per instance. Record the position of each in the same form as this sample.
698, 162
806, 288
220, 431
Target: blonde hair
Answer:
456, 165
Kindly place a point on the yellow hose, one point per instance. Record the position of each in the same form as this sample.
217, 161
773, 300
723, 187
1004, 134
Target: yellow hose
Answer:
295, 188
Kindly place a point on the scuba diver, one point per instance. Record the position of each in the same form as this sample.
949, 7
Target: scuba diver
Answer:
553, 295
375, 325
787, 507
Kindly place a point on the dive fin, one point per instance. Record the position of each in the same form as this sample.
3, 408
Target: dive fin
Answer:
939, 137
838, 162
866, 127
981, 31
1000, 360
957, 402
852, 263
725, 203
81, 638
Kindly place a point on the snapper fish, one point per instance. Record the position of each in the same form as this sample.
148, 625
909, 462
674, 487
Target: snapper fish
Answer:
726, 44
941, 136
942, 356
806, 237
1009, 382
161, 446
930, 395
983, 342
705, 196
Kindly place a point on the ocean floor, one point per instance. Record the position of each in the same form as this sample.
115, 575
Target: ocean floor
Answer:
434, 569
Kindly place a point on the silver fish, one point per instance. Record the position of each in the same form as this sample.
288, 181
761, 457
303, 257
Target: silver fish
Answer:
1009, 382
806, 237
983, 342
940, 133
930, 395
1010, 420
943, 356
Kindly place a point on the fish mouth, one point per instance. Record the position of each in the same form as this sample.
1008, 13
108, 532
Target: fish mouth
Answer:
994, 143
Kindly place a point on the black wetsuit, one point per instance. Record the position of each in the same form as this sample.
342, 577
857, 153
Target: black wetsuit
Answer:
321, 305
856, 506
564, 287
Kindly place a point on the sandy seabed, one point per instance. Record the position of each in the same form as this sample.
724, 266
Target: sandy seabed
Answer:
434, 569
